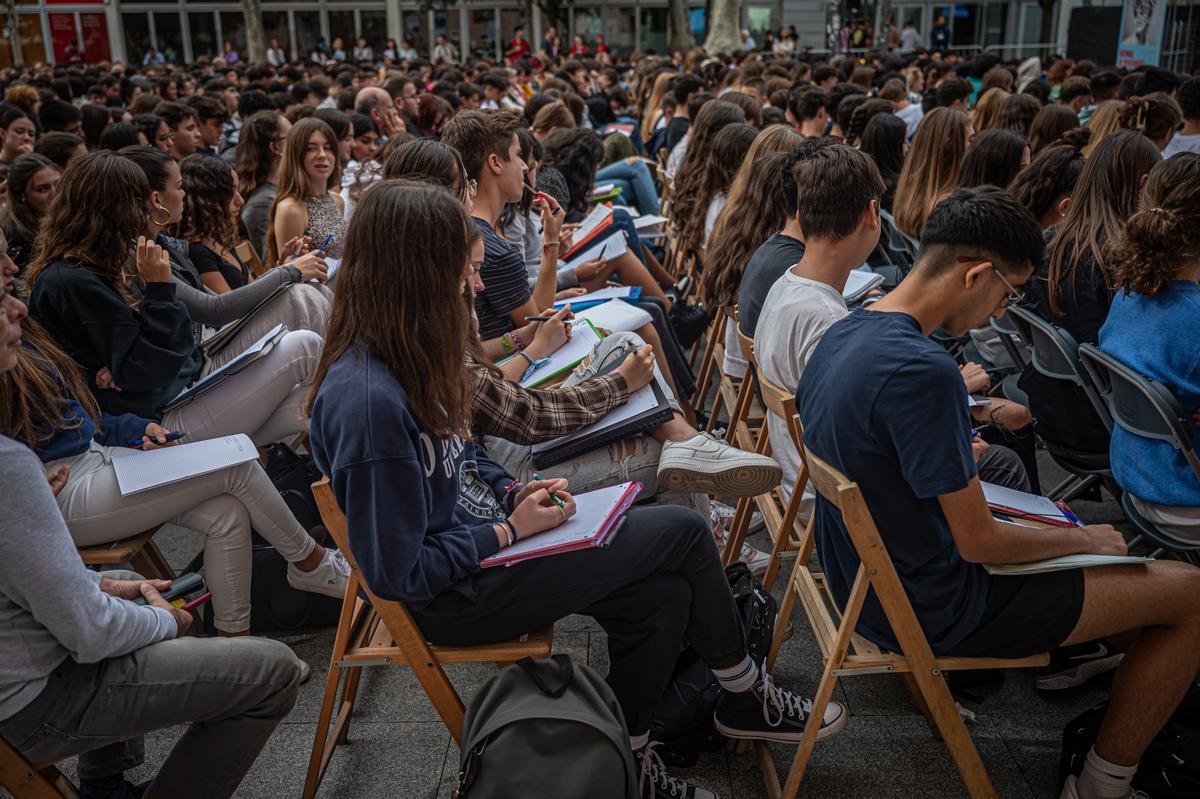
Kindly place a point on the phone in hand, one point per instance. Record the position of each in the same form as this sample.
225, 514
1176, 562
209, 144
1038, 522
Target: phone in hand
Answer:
181, 586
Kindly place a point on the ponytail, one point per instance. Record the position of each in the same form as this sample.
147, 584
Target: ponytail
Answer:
1164, 234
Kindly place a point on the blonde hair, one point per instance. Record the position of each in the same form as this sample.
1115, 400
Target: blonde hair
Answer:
987, 108
931, 169
554, 116
1105, 119
653, 110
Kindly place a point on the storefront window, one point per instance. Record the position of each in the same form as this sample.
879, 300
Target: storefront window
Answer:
589, 25
275, 26
137, 35
445, 23
483, 33
169, 33
654, 29
509, 20
95, 37
619, 30
374, 28
203, 26
760, 20
341, 26
308, 31
233, 30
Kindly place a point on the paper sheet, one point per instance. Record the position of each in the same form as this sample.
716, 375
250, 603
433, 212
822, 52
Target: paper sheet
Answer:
591, 511
1062, 564
583, 341
236, 363
606, 293
639, 402
142, 471
618, 317
1020, 501
607, 247
858, 284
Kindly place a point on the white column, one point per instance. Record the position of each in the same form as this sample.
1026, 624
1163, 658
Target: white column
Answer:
535, 29
395, 21
116, 31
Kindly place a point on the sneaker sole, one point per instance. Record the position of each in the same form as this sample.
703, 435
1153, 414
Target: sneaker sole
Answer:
316, 589
781, 737
741, 481
1079, 675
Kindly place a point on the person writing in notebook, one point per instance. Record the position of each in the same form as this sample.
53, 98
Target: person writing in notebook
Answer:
84, 671
918, 475
425, 505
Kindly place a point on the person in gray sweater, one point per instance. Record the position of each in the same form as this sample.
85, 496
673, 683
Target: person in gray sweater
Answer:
85, 671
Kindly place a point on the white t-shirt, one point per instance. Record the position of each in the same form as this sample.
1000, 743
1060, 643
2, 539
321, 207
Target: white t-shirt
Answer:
1182, 144
912, 116
794, 317
676, 156
710, 217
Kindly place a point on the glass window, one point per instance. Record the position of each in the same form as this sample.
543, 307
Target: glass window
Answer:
654, 29
698, 21
760, 20
589, 25
445, 23
1031, 32
341, 26
308, 31
483, 33
233, 30
416, 32
509, 20
137, 35
95, 37
203, 25
374, 28
619, 30
275, 26
169, 32
993, 24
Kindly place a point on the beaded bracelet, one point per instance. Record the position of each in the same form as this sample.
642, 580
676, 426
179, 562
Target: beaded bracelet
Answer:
506, 343
516, 341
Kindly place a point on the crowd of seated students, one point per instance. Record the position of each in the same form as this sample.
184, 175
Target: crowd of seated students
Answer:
407, 227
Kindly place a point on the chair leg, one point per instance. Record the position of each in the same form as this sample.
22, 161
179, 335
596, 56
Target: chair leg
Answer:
735, 536
322, 748
1081, 487
940, 703
915, 692
346, 706
784, 616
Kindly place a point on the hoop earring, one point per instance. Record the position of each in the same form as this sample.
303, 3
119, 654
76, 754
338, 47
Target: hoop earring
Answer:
163, 223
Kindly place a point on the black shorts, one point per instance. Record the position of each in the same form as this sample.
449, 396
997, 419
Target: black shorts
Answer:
1025, 615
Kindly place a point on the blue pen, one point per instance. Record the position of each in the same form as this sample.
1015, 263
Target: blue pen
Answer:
170, 437
1071, 517
325, 244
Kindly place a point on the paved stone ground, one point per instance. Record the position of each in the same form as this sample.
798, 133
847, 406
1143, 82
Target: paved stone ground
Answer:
399, 748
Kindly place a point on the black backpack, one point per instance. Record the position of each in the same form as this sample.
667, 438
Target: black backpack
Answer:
545, 728
276, 607
1170, 767
684, 725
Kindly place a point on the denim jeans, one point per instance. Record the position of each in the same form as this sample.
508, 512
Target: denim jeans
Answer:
635, 181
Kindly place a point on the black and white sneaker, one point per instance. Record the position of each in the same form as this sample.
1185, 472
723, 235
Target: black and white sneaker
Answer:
769, 713
655, 783
1074, 665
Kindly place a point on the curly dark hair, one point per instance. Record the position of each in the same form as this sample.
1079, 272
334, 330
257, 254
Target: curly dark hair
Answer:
207, 192
1165, 231
576, 153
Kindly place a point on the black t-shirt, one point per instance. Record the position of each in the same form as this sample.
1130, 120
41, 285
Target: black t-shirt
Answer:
885, 405
236, 275
774, 257
505, 283
675, 130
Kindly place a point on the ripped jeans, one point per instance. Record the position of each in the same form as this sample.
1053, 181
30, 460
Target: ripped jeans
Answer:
632, 459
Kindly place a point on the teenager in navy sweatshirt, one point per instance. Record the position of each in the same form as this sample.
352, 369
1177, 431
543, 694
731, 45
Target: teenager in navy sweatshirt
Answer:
424, 505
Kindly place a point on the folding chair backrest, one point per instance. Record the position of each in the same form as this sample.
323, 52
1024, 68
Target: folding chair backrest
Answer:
746, 342
1139, 404
777, 399
1009, 338
245, 250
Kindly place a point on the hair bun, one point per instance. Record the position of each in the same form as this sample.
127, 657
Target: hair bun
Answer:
1077, 138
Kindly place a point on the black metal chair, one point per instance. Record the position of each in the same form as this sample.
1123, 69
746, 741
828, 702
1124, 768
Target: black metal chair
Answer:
1144, 407
1056, 355
1010, 338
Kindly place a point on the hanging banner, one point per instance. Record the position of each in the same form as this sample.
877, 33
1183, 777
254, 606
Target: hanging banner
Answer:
1142, 23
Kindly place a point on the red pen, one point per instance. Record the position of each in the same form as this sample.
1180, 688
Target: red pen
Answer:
200, 600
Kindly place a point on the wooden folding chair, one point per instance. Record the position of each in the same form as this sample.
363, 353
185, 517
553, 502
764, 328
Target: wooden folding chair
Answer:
25, 780
848, 654
245, 250
379, 632
780, 516
139, 551
733, 393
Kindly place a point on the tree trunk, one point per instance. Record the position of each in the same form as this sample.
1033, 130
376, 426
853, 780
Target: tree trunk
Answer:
14, 33
256, 35
679, 31
723, 33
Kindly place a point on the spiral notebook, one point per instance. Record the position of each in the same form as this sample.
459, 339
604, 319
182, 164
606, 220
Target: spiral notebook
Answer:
258, 350
598, 517
646, 408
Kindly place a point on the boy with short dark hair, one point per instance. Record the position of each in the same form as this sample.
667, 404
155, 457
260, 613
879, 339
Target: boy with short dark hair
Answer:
185, 132
883, 404
211, 115
685, 86
807, 109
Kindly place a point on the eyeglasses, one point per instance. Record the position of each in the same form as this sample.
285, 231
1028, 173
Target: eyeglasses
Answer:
1015, 295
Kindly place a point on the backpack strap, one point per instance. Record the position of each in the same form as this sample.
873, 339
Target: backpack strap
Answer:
537, 672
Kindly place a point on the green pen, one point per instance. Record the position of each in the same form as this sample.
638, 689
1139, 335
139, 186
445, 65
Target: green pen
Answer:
553, 496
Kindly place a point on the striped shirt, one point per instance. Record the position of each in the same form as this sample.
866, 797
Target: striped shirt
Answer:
505, 283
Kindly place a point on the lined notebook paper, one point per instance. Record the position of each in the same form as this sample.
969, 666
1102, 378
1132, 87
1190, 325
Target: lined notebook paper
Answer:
583, 339
1062, 564
142, 471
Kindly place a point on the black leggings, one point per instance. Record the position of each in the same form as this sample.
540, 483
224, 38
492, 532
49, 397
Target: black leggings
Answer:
658, 584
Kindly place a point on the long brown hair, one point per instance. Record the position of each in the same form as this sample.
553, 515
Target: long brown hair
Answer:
931, 168
254, 155
725, 158
987, 108
1105, 196
406, 251
753, 213
292, 181
1165, 231
32, 394
98, 209
714, 116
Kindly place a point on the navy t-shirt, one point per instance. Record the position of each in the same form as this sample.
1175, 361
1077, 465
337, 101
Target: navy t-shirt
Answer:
886, 406
505, 283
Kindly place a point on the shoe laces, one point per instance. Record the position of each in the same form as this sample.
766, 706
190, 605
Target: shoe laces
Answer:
784, 703
655, 770
339, 563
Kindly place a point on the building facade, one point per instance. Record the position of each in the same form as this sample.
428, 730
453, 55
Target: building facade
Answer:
184, 30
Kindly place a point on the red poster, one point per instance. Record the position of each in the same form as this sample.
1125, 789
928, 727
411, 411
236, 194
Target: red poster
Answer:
62, 31
95, 37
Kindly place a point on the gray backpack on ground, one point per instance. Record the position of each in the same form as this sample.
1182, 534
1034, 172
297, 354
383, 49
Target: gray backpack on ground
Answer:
545, 727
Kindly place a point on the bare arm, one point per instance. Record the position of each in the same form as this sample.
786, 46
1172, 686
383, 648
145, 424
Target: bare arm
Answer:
291, 219
980, 538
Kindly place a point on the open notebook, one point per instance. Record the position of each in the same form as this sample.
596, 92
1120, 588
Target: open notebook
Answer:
608, 245
223, 337
859, 284
598, 515
1061, 564
142, 471
600, 295
646, 408
590, 229
257, 350
583, 340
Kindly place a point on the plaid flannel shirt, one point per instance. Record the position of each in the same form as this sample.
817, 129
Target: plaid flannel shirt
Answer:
504, 409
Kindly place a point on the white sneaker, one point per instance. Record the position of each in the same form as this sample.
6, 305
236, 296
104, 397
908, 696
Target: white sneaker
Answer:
1070, 790
329, 578
756, 559
708, 465
719, 511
